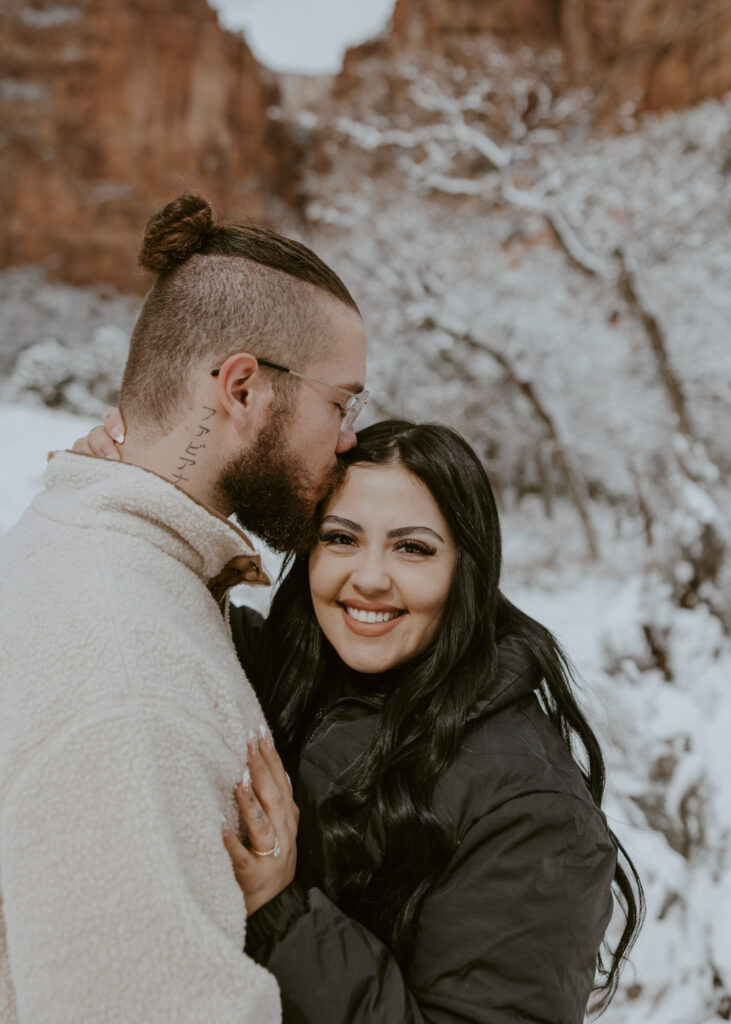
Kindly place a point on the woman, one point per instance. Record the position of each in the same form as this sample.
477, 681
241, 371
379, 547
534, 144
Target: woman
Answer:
454, 863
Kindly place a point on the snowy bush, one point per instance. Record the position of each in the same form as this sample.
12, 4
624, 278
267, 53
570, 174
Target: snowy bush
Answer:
62, 346
668, 771
81, 379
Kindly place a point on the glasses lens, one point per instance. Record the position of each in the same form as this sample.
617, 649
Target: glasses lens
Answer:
355, 405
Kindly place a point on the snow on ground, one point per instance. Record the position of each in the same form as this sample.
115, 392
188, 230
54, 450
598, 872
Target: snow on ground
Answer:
27, 435
665, 740
669, 790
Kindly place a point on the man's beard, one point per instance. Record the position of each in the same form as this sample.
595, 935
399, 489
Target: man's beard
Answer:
272, 493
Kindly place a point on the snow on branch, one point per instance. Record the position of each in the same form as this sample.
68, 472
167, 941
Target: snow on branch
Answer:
370, 138
436, 101
484, 145
577, 253
434, 182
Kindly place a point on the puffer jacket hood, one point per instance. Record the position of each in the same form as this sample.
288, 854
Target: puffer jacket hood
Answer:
516, 677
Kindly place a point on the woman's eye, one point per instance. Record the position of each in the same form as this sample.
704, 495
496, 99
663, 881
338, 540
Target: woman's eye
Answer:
336, 538
415, 547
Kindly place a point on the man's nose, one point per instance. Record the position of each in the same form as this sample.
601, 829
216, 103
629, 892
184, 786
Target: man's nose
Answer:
346, 441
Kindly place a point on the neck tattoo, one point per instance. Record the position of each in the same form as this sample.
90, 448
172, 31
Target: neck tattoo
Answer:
190, 456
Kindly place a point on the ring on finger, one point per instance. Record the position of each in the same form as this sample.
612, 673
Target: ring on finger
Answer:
274, 852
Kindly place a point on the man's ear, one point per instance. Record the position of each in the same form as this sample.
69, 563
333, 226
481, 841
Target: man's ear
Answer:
240, 388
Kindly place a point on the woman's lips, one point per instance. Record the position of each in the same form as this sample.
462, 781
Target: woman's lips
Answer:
370, 628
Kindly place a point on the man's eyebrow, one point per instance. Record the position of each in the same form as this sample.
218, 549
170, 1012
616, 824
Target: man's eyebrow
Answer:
347, 523
405, 531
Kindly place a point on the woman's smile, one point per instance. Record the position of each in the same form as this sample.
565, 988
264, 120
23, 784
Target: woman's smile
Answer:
366, 620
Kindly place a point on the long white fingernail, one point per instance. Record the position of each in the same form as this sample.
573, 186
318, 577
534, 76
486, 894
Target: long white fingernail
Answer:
118, 436
246, 780
224, 824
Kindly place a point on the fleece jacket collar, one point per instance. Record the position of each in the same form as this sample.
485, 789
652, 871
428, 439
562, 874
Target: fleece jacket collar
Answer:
85, 491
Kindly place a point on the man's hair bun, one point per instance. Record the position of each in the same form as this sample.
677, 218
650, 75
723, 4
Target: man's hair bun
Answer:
175, 233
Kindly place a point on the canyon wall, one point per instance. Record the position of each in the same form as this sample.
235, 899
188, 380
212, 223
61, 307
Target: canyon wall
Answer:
656, 54
669, 54
107, 110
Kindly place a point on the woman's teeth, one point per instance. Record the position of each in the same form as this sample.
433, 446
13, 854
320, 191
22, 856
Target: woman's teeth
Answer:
361, 615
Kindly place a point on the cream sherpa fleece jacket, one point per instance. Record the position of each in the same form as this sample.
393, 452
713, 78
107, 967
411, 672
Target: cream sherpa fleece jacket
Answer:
123, 724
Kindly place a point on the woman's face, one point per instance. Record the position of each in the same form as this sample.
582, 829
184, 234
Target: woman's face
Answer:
382, 567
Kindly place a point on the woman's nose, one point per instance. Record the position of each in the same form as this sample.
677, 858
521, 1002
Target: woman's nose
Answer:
370, 575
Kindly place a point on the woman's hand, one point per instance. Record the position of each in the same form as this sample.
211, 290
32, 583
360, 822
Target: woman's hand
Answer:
103, 441
266, 864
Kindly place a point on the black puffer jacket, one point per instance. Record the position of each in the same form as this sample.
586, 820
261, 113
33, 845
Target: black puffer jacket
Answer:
510, 931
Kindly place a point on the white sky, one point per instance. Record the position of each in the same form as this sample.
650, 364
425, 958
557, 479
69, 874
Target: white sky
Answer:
304, 35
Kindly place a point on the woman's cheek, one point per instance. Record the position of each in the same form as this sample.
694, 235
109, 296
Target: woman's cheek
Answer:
428, 604
318, 574
430, 596
323, 591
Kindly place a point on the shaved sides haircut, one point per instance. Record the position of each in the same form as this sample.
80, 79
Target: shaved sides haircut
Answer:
222, 288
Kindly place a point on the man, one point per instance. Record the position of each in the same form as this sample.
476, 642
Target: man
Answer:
123, 711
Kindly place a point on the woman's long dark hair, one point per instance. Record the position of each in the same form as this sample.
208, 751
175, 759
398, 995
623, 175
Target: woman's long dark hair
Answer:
387, 792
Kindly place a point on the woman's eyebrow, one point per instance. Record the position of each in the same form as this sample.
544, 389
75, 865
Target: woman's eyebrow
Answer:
347, 523
405, 531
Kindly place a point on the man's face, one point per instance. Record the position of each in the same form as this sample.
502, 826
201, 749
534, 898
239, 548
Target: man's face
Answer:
275, 487
271, 491
313, 430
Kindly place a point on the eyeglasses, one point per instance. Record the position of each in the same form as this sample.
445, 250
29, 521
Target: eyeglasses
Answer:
353, 407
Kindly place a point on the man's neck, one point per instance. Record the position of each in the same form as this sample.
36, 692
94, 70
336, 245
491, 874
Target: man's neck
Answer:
185, 456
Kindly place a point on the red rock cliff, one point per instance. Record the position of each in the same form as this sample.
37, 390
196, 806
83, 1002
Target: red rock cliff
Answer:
657, 53
431, 24
108, 108
666, 53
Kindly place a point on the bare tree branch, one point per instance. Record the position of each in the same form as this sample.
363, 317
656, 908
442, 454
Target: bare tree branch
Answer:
579, 257
574, 483
655, 335
644, 508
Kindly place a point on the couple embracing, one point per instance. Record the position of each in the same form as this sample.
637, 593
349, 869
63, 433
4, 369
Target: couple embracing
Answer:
393, 813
